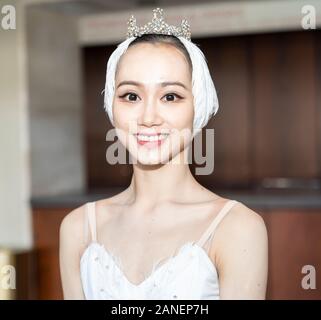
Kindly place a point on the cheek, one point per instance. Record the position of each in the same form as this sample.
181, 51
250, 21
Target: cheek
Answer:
181, 118
191, 114
121, 116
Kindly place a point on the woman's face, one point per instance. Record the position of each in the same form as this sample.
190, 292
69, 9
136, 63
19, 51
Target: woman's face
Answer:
153, 95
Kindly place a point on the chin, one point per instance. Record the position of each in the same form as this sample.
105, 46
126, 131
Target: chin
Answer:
146, 157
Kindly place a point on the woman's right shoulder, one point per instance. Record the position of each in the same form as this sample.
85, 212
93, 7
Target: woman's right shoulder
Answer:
72, 224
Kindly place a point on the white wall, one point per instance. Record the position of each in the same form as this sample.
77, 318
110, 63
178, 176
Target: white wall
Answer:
15, 218
40, 117
55, 103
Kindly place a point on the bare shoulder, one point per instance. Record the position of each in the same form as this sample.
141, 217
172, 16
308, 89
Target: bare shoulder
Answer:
73, 221
242, 222
70, 231
72, 225
243, 219
241, 254
72, 243
242, 230
73, 218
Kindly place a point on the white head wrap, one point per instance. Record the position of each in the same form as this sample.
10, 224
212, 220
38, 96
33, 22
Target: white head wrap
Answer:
203, 89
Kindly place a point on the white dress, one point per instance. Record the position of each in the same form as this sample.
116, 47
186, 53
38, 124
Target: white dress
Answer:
189, 274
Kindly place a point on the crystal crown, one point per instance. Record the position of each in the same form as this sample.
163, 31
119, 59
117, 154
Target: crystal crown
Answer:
158, 26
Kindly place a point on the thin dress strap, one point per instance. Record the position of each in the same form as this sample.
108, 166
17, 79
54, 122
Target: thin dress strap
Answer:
91, 219
218, 218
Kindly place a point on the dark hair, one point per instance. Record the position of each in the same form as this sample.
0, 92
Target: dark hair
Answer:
166, 39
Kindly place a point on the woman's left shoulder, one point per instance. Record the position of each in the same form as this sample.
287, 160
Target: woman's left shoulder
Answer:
244, 214
244, 224
241, 254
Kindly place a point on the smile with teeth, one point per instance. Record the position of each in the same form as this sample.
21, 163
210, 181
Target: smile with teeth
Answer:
151, 140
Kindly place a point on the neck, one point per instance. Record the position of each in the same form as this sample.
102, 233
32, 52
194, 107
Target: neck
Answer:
155, 184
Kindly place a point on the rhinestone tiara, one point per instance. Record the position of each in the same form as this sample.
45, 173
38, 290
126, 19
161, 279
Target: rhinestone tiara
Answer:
158, 26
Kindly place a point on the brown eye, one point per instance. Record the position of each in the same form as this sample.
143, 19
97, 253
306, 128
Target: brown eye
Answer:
131, 96
171, 97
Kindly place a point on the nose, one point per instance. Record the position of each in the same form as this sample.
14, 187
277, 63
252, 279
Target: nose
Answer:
149, 115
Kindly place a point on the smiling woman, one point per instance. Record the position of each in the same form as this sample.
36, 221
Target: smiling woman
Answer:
156, 105
165, 236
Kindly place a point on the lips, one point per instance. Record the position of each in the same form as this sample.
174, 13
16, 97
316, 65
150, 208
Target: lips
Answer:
151, 140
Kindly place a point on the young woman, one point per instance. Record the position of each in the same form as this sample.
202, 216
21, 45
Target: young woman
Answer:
165, 236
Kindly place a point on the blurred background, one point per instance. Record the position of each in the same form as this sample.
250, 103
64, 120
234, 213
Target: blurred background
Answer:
265, 59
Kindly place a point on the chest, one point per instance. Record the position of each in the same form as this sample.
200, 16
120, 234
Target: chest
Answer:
189, 274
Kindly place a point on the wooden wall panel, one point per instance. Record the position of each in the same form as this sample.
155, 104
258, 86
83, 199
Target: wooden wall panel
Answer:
317, 44
294, 241
46, 224
284, 92
100, 174
229, 65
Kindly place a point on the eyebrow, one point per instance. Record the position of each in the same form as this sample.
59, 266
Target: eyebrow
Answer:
162, 84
